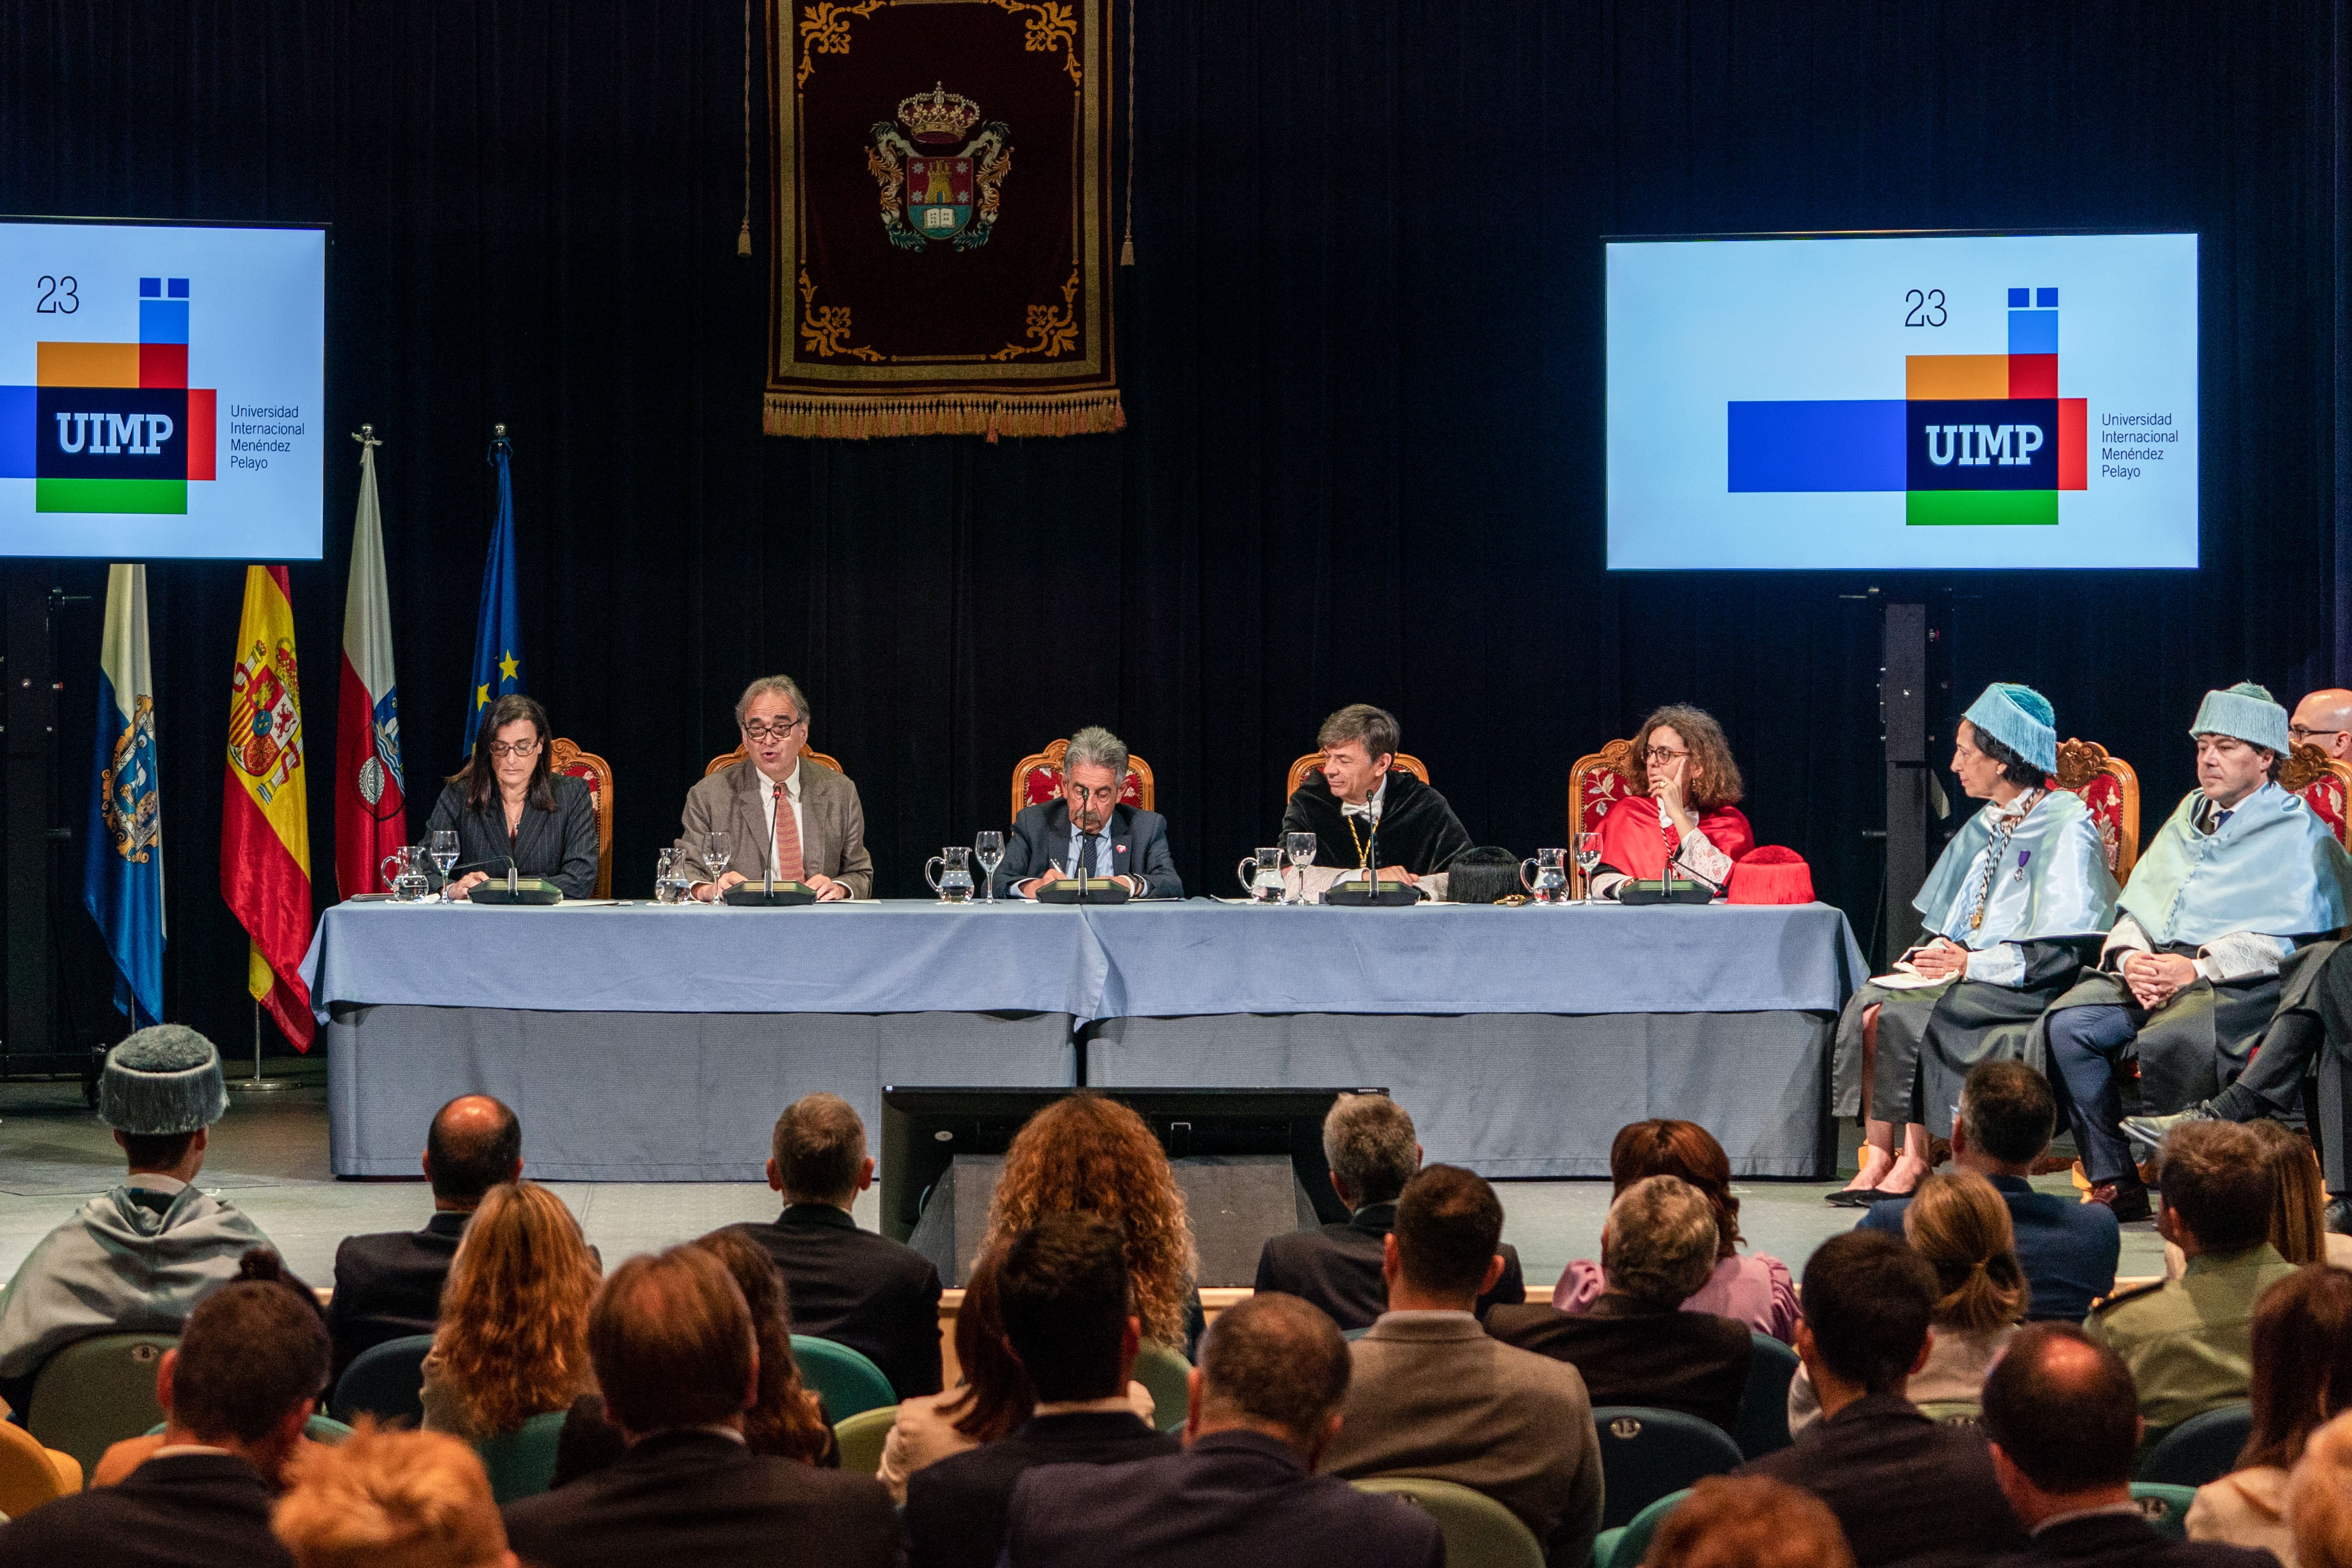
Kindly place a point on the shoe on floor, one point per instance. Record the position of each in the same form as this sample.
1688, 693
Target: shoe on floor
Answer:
2129, 1203
2150, 1129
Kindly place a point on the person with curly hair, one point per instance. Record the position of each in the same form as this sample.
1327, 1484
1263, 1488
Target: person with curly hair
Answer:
1087, 1155
514, 1317
1685, 808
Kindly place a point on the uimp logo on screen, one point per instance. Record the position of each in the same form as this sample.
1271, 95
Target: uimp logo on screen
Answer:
1976, 438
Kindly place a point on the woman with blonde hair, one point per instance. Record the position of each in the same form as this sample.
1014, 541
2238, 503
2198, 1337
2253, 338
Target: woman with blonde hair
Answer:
1086, 1155
391, 1499
1960, 1223
513, 1339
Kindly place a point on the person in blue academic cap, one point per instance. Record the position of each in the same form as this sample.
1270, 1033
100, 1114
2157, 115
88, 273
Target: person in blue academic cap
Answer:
2014, 908
2240, 877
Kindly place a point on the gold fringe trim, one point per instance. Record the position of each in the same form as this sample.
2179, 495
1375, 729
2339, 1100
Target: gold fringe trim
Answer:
992, 414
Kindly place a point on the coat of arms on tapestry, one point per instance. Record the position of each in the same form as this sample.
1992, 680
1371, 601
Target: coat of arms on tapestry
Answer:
942, 213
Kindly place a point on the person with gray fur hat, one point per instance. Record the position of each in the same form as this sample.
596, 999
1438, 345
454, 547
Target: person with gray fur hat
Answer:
134, 1258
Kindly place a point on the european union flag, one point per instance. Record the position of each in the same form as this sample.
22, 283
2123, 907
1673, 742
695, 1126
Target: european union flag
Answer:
122, 865
497, 630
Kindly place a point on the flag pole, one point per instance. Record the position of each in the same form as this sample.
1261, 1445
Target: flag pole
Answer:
258, 1083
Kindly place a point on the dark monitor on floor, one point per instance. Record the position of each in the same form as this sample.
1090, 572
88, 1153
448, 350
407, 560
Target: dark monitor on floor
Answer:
923, 1131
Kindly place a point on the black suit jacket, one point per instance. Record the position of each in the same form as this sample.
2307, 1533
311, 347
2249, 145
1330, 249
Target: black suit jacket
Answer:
1139, 846
1337, 1268
1904, 1488
1233, 1499
2113, 1541
956, 1507
860, 1290
560, 845
185, 1510
388, 1285
1696, 1363
702, 1500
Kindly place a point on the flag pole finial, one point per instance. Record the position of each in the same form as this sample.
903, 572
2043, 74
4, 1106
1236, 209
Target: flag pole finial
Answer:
365, 435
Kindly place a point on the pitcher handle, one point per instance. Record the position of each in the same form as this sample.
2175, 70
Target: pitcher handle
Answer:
934, 860
1248, 874
1526, 881
385, 869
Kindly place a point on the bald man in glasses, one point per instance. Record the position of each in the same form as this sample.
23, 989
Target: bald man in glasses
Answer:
2323, 719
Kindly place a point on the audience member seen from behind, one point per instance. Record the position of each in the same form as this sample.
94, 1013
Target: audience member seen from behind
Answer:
1905, 1489
1748, 1522
1368, 1146
248, 1372
1433, 1395
678, 1362
391, 1499
1636, 1345
1062, 1291
785, 1420
2068, 1249
1086, 1155
1754, 1288
2303, 1375
2298, 1206
1265, 1403
847, 1285
388, 1286
514, 1317
2065, 1426
2319, 1497
1957, 1222
2190, 1342
136, 1258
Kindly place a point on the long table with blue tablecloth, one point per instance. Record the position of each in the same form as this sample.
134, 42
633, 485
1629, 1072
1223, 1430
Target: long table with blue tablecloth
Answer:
644, 1042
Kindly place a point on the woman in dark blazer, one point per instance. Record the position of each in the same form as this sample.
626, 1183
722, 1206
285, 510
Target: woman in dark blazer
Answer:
506, 801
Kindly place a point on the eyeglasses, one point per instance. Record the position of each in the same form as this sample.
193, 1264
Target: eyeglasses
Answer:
2303, 732
514, 748
1659, 754
755, 730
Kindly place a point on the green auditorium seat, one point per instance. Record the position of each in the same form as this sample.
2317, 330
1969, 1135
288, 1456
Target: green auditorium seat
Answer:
1479, 1532
847, 1383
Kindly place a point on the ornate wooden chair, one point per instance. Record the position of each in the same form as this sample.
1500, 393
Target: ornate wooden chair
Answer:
738, 753
2111, 790
2324, 783
1314, 760
1037, 779
1594, 784
593, 771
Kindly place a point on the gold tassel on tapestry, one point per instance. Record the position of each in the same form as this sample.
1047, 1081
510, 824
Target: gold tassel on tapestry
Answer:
866, 418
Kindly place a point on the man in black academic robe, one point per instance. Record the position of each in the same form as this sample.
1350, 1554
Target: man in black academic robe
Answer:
1356, 790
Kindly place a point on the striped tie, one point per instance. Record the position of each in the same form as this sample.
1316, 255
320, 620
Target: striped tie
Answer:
787, 837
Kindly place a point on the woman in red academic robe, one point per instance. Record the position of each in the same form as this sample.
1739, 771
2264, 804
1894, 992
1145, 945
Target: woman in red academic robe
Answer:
1685, 789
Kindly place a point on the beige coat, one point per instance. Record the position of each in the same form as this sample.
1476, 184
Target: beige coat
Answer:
2245, 1508
832, 825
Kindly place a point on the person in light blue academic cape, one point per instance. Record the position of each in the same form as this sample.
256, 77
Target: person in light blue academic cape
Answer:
2200, 969
2014, 909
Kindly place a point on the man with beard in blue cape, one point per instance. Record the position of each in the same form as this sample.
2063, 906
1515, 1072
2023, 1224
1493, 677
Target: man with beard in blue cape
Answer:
2201, 968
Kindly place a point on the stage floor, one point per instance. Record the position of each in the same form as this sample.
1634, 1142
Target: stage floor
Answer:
270, 1157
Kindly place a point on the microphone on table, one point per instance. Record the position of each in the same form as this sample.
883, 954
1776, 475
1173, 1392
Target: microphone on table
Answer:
490, 865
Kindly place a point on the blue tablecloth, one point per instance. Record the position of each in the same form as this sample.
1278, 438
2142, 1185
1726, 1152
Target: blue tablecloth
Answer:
1140, 960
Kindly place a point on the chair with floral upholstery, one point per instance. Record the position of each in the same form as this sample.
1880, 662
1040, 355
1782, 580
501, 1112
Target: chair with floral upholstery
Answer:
1314, 760
738, 753
593, 771
2324, 783
1037, 779
1596, 783
2111, 790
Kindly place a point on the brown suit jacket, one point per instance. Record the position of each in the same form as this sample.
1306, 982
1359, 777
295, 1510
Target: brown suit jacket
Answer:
1433, 1396
832, 825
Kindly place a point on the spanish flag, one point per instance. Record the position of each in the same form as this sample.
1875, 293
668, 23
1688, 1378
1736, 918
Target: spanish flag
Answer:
264, 824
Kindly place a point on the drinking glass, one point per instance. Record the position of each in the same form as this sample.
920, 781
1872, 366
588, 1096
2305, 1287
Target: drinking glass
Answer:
1301, 848
1587, 855
1261, 875
443, 842
670, 877
717, 851
987, 849
1551, 878
953, 883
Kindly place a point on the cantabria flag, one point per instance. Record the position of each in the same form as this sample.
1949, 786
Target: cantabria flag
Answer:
371, 805
123, 864
265, 823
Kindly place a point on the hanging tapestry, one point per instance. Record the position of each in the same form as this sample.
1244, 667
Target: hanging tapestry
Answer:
942, 220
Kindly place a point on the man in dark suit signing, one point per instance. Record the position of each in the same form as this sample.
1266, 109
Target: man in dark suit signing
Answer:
249, 1370
2065, 1428
1062, 1291
1368, 1142
671, 1343
388, 1285
1088, 826
847, 1285
783, 815
1905, 1489
1264, 1404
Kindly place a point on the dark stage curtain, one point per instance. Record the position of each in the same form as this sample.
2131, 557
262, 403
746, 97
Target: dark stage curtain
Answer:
1362, 353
